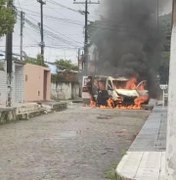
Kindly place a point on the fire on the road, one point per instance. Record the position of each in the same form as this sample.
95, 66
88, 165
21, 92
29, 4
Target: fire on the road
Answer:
128, 94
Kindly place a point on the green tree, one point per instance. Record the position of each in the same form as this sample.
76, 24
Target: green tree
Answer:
63, 65
7, 17
37, 60
66, 64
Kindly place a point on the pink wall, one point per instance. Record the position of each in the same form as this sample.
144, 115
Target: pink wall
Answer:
34, 83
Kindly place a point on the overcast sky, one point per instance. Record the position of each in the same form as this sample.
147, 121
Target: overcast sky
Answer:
63, 28
63, 25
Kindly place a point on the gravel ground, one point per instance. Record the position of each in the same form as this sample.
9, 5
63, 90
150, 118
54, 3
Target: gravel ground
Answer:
79, 143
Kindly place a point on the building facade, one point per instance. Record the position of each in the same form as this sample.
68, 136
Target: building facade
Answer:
37, 83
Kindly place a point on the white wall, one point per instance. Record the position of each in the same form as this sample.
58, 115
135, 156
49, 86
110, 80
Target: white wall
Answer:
171, 118
75, 91
17, 85
64, 91
3, 88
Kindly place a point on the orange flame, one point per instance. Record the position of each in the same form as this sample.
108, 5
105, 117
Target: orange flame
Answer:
92, 103
140, 100
130, 85
110, 103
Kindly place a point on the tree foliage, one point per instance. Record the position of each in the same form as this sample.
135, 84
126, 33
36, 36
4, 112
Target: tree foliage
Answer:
7, 17
36, 61
66, 64
65, 76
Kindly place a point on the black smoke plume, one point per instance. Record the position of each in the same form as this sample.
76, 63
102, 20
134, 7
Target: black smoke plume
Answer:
128, 40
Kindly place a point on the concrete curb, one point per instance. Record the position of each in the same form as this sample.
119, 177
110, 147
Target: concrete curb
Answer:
7, 115
28, 111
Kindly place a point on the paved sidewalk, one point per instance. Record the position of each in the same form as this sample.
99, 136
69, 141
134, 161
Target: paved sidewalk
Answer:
145, 159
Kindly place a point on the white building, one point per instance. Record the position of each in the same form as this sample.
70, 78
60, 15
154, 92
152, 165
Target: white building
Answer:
17, 82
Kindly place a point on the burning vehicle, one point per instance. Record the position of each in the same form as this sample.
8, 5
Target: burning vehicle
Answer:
107, 91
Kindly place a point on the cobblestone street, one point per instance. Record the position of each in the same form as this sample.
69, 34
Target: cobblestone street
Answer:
79, 143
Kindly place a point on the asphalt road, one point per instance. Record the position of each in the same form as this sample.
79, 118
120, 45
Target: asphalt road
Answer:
79, 143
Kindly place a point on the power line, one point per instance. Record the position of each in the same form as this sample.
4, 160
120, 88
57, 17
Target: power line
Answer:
49, 33
63, 6
51, 30
47, 46
86, 2
31, 35
101, 25
106, 25
65, 20
72, 44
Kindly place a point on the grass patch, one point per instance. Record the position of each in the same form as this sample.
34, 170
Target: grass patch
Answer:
110, 173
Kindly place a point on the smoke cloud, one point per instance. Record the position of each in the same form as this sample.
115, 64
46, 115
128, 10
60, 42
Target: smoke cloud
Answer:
128, 40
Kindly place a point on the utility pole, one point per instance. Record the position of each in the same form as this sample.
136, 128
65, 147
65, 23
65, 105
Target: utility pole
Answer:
42, 44
85, 63
21, 34
9, 40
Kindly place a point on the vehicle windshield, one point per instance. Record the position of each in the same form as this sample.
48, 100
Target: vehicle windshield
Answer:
119, 84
